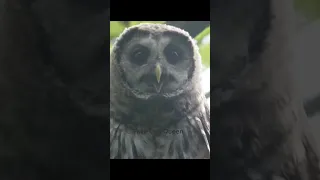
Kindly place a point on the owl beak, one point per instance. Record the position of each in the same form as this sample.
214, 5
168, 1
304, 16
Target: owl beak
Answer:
158, 72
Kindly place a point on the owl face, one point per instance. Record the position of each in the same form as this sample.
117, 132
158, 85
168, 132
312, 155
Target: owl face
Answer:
156, 62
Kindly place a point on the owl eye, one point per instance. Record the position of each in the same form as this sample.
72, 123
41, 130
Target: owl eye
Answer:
173, 54
140, 55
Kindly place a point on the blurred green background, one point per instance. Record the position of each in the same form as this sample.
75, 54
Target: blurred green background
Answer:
199, 30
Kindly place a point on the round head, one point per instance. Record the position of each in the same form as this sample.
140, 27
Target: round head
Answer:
155, 59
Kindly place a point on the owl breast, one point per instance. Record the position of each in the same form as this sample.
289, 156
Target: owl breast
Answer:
181, 141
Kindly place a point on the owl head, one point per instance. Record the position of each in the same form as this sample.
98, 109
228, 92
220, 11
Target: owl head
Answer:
155, 60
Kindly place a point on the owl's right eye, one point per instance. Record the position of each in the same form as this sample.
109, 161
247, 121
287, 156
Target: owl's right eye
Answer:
140, 55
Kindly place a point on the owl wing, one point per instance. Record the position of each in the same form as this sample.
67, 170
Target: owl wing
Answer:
203, 126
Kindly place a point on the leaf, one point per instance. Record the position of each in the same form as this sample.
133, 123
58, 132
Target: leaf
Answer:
132, 23
309, 8
204, 50
201, 35
116, 28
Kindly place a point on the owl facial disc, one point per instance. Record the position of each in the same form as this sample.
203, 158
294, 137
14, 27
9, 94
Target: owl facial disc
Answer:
156, 60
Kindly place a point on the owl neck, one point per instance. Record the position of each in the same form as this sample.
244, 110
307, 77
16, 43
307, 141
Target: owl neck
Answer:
154, 112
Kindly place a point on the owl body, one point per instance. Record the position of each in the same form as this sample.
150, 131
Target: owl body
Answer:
158, 110
174, 140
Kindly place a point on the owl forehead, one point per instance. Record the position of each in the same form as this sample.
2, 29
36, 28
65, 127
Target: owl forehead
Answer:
150, 40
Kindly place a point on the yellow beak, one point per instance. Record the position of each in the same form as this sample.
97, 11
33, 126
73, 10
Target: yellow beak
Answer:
158, 72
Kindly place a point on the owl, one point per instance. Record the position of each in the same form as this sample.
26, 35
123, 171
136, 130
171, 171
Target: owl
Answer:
157, 107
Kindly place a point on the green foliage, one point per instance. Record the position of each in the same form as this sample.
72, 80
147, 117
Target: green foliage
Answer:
204, 48
201, 35
116, 28
309, 8
205, 54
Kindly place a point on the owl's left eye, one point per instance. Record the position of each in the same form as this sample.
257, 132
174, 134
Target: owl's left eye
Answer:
140, 55
173, 54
